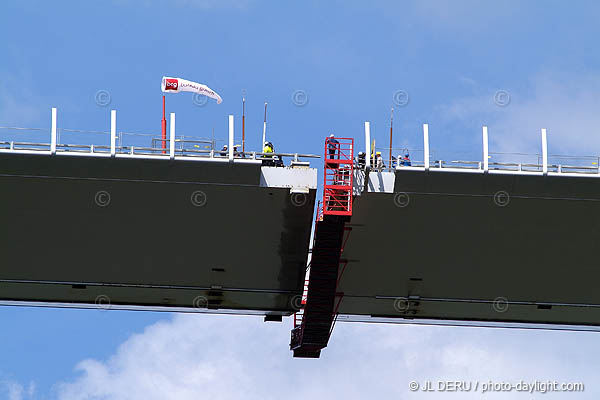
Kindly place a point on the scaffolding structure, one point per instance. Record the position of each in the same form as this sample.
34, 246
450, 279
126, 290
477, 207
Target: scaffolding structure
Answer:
314, 323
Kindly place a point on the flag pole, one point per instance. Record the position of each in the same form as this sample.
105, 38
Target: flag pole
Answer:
391, 128
164, 128
243, 124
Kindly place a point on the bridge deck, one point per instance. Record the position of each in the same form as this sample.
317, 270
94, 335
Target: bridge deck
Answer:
491, 246
152, 231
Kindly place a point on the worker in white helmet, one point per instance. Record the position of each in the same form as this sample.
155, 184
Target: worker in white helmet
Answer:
224, 151
333, 146
361, 159
268, 148
379, 161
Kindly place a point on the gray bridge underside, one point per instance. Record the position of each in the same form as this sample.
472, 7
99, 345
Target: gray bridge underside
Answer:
454, 253
451, 253
244, 249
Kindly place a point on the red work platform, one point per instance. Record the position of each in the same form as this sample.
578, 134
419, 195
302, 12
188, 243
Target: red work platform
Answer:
337, 185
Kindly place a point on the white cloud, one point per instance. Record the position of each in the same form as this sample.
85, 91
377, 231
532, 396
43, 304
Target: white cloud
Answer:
16, 391
201, 356
566, 105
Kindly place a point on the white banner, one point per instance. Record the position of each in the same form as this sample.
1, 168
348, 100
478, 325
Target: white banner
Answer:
176, 85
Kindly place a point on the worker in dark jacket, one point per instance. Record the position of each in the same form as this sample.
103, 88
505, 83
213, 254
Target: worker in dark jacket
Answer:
237, 152
332, 146
223, 151
406, 160
361, 160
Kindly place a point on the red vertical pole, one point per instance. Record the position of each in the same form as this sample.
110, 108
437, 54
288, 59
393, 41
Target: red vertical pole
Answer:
391, 126
164, 129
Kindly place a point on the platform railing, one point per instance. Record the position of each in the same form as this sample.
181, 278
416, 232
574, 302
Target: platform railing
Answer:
497, 166
489, 161
29, 140
516, 162
503, 166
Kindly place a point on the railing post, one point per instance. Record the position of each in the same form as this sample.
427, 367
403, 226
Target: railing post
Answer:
485, 149
368, 143
264, 135
230, 138
544, 152
113, 132
426, 146
172, 137
53, 132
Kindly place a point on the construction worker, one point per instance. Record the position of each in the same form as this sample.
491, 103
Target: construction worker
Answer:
361, 160
267, 157
237, 152
268, 148
406, 160
277, 161
379, 161
223, 151
332, 146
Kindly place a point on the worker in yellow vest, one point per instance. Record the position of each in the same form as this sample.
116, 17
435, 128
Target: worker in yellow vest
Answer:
268, 148
267, 157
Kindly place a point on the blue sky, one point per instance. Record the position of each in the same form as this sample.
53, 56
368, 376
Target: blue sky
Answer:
350, 58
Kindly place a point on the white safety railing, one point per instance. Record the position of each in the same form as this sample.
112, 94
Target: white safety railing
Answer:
424, 159
416, 157
61, 141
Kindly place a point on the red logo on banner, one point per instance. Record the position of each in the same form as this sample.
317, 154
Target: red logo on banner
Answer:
171, 84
